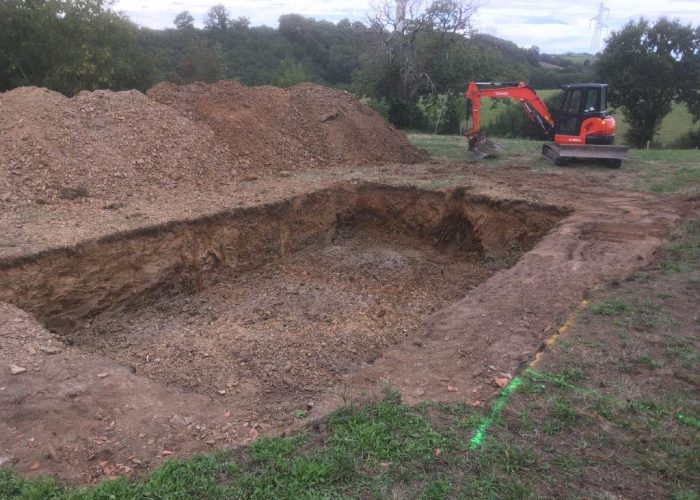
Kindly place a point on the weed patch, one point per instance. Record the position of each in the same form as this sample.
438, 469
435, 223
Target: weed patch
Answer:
612, 307
677, 179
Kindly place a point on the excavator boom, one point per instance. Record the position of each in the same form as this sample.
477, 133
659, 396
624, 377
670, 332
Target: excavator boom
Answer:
533, 106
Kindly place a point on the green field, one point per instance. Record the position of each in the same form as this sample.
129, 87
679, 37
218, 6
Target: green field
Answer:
578, 58
677, 122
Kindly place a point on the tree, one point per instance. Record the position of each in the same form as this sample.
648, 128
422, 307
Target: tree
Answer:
648, 67
335, 48
240, 23
69, 46
290, 73
217, 18
202, 64
184, 20
411, 39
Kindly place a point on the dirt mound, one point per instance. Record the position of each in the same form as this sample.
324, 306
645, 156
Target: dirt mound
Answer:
106, 144
273, 129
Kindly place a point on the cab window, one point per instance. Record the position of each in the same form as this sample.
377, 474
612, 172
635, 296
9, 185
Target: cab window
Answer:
592, 100
573, 104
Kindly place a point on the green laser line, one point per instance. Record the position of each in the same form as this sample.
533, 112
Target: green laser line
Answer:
502, 399
503, 396
495, 410
505, 393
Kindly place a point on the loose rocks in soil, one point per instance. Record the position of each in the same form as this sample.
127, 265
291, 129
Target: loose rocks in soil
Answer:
273, 129
270, 304
104, 144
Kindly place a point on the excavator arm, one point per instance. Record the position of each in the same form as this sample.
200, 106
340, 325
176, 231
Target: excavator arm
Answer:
534, 108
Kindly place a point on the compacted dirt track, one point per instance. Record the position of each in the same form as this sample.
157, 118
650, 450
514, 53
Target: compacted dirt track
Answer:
150, 315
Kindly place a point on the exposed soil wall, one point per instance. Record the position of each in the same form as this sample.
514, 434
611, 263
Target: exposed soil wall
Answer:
64, 286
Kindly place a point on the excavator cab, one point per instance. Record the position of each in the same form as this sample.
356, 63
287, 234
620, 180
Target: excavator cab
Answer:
584, 105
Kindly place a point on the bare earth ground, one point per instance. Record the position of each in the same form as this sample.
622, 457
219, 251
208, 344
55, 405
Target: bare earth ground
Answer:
109, 405
294, 328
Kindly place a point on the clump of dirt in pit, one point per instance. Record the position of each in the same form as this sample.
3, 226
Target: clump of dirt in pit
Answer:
103, 143
272, 129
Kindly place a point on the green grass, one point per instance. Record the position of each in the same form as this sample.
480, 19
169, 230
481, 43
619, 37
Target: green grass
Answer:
385, 449
677, 179
677, 123
448, 147
638, 315
579, 58
612, 307
364, 451
660, 171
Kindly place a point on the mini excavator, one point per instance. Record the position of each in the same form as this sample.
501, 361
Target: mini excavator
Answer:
583, 129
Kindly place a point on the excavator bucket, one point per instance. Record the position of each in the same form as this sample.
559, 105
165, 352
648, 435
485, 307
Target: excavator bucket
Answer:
482, 147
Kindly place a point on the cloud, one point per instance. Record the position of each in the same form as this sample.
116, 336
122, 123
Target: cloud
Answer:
160, 14
552, 25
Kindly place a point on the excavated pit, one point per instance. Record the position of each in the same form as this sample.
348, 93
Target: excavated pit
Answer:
269, 305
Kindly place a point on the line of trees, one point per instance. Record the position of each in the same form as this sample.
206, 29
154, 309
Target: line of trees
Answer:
411, 60
69, 46
413, 69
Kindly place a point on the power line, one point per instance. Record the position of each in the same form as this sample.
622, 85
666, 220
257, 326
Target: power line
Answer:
601, 27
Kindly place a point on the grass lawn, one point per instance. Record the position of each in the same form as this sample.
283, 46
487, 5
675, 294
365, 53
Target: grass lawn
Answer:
578, 58
660, 171
611, 411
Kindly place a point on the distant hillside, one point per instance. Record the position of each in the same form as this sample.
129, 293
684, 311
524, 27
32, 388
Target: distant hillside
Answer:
560, 69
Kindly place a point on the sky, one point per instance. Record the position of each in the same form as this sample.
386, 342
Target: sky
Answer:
554, 26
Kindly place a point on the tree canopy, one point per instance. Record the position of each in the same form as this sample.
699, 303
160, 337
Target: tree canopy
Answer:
218, 18
184, 20
69, 46
649, 66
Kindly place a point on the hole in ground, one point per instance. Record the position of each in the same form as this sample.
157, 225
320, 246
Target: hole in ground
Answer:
270, 305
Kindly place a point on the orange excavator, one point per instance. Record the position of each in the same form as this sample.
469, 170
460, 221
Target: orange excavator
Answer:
584, 128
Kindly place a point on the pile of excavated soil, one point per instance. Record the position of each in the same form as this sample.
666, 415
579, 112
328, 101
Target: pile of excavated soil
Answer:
306, 126
106, 144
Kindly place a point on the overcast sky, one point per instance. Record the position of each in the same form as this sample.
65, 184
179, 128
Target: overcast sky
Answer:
553, 25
